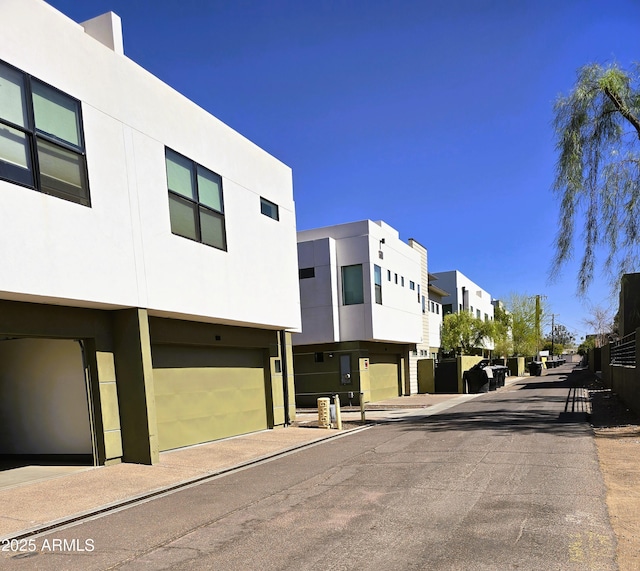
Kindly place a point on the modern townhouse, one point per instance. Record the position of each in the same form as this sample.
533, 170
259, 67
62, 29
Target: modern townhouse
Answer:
422, 349
465, 295
148, 251
361, 298
436, 314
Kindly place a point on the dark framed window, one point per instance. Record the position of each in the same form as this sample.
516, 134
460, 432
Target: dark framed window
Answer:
318, 357
269, 209
377, 281
196, 207
305, 273
388, 275
41, 137
352, 288
412, 285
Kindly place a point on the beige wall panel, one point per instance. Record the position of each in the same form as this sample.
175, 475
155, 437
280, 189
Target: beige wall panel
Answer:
383, 376
110, 410
216, 393
113, 444
43, 398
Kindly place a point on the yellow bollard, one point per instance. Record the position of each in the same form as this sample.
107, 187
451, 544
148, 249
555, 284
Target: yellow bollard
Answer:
336, 402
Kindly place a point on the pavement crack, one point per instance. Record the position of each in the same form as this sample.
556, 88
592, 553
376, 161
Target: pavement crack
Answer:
524, 522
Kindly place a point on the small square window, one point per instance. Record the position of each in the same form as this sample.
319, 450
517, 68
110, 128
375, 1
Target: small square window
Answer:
412, 285
318, 357
269, 209
305, 273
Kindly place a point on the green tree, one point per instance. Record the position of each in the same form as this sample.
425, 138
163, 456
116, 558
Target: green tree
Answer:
553, 348
561, 336
463, 333
524, 336
503, 343
588, 343
597, 177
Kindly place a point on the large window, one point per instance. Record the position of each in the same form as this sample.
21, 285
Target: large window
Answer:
41, 139
377, 280
352, 289
196, 208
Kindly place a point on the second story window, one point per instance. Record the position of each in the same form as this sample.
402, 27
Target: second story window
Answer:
269, 209
196, 207
377, 281
352, 289
41, 138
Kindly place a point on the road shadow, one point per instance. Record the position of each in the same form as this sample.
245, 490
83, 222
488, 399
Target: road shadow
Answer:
559, 407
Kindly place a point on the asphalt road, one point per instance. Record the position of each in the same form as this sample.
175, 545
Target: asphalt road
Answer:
509, 480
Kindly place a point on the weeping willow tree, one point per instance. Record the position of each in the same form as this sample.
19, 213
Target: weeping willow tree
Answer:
598, 171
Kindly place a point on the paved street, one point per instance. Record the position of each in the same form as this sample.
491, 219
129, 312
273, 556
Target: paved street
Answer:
509, 480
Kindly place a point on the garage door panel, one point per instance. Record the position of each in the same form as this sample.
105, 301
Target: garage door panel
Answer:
201, 403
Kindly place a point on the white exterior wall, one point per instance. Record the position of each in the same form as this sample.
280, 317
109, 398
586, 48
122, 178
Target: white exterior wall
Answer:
320, 319
397, 320
478, 298
422, 349
435, 322
121, 252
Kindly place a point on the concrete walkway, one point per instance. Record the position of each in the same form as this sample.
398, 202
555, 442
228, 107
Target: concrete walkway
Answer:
34, 501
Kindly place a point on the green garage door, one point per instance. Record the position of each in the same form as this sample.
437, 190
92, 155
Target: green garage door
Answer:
205, 394
383, 376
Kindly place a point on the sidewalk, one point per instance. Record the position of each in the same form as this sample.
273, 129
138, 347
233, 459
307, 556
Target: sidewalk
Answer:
39, 505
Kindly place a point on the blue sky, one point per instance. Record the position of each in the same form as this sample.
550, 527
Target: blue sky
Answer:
434, 116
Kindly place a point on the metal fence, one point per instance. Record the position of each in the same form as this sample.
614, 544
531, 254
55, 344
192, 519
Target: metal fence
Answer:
623, 351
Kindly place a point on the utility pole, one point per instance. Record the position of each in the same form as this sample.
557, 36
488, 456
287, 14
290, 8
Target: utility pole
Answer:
537, 324
553, 327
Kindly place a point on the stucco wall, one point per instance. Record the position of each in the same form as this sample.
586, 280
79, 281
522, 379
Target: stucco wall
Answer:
120, 251
397, 319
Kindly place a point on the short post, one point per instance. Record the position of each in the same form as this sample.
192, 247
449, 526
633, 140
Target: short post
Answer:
324, 415
336, 403
362, 410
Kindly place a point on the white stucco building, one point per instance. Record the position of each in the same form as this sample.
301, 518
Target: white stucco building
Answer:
436, 314
360, 288
464, 295
135, 222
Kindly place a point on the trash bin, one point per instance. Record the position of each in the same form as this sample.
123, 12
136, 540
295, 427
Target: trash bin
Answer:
500, 374
535, 368
476, 379
492, 377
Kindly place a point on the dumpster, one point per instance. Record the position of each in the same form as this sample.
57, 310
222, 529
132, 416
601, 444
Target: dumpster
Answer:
535, 368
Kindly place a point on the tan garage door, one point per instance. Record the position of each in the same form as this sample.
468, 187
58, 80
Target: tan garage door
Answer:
383, 376
205, 394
